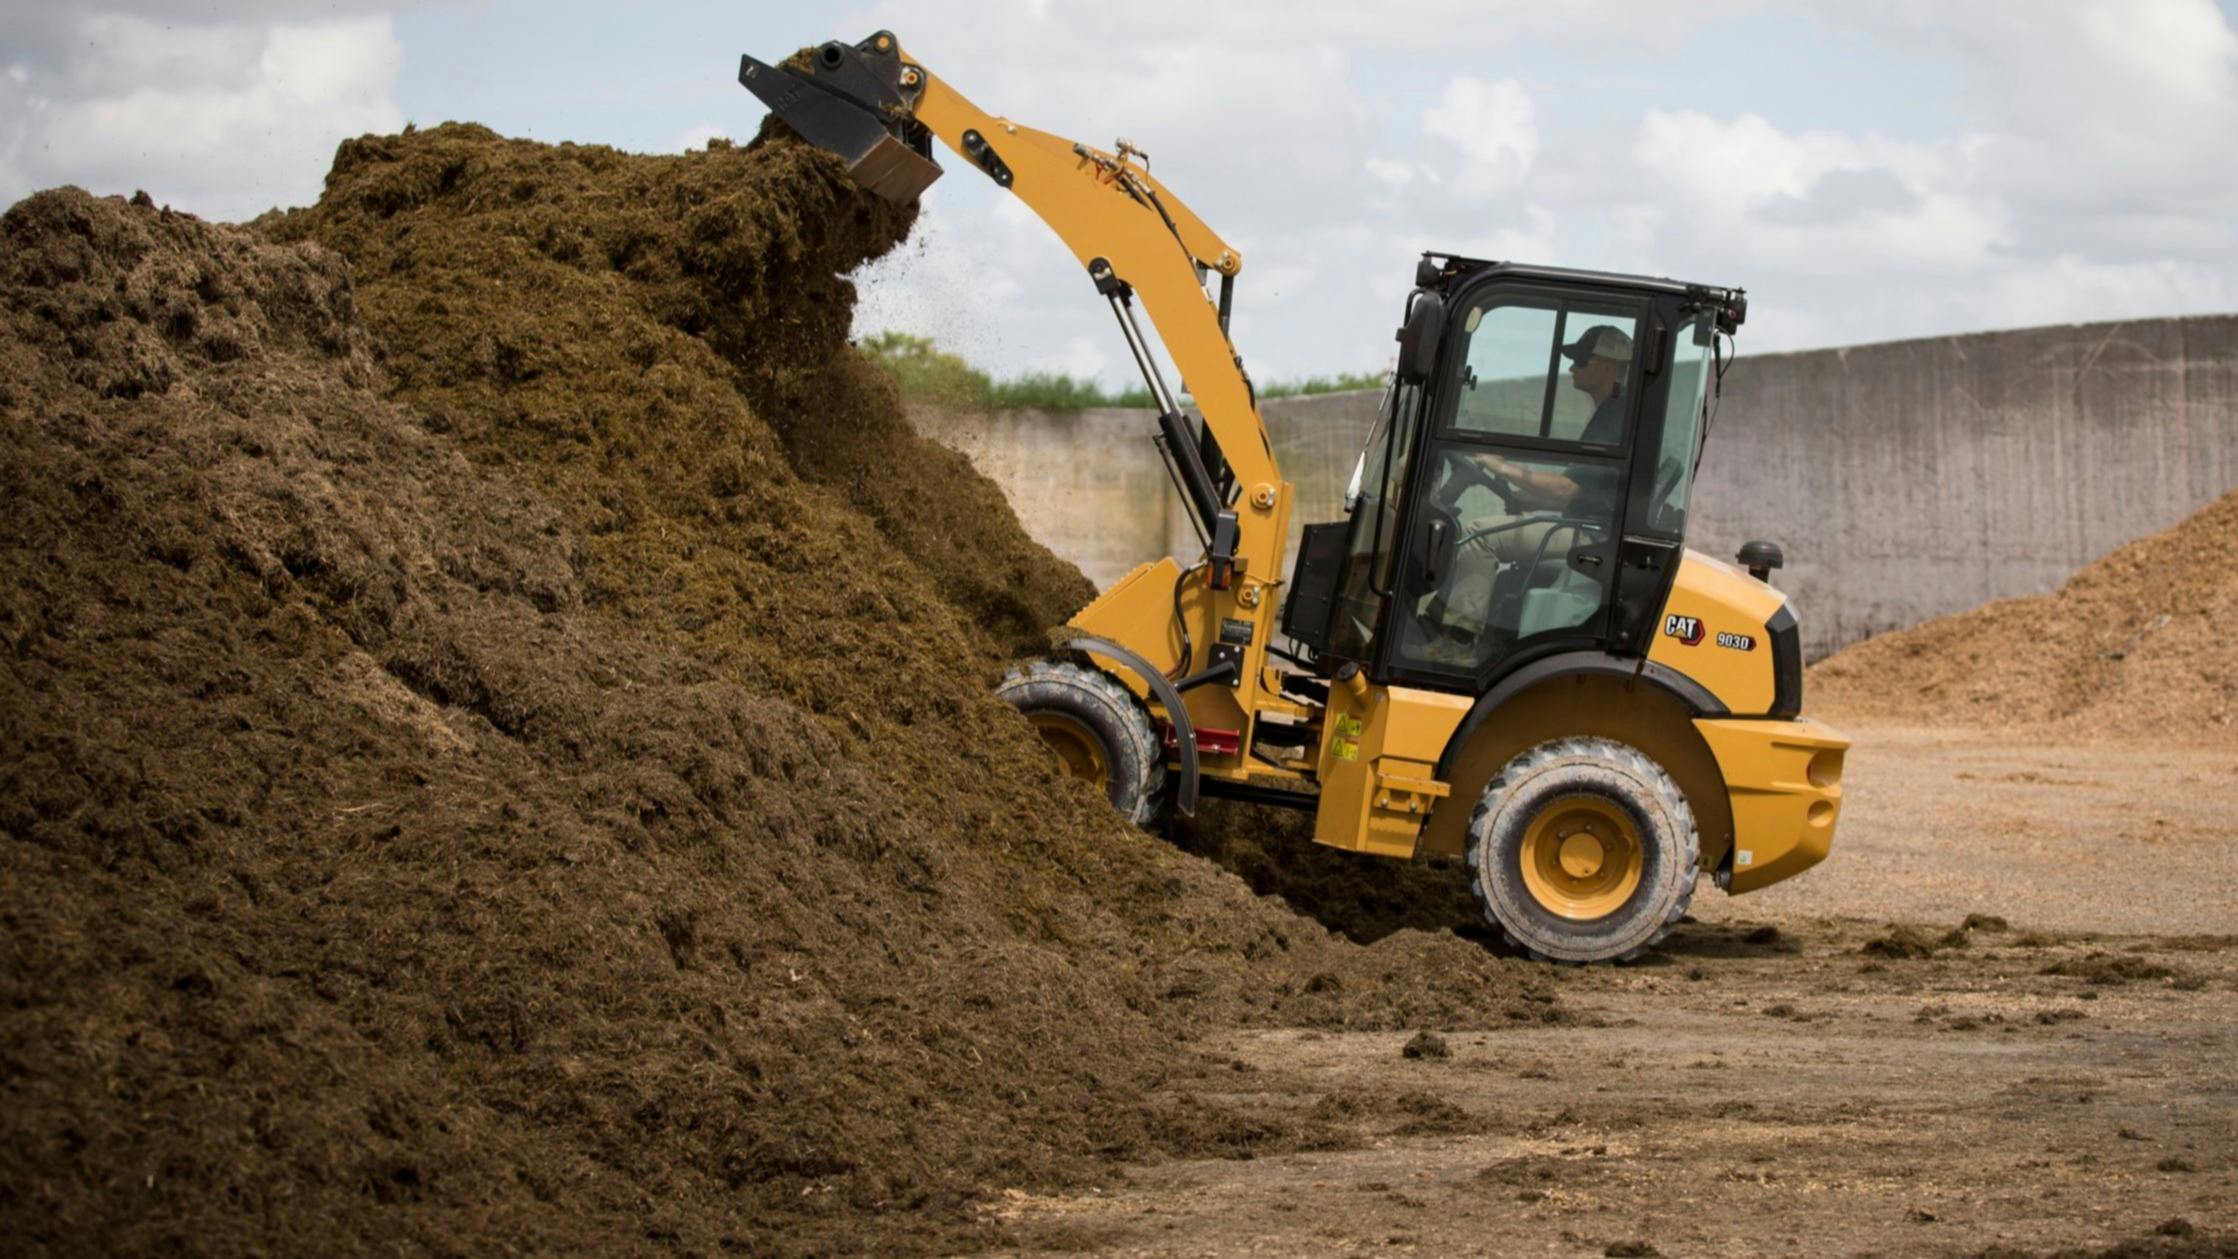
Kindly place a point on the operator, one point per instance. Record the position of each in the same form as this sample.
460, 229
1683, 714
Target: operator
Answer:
1599, 362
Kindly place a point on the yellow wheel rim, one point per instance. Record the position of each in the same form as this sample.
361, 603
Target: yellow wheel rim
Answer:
1077, 748
1581, 857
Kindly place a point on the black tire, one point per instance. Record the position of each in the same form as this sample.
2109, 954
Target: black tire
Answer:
1548, 846
1098, 729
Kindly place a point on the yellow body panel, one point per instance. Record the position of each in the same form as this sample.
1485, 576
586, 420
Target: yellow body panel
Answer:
1137, 613
1784, 779
1719, 607
1378, 765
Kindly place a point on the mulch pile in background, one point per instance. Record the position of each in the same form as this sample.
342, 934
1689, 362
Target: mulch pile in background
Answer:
496, 748
2138, 643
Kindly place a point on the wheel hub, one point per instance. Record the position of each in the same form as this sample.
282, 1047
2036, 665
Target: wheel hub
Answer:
1077, 748
1582, 857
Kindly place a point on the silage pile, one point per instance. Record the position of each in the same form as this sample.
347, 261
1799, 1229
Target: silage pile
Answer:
496, 752
2137, 644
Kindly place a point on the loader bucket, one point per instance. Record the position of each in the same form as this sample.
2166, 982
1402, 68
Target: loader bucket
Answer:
859, 103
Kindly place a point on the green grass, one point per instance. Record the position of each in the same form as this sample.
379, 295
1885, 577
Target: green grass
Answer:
1055, 391
1322, 384
927, 373
924, 373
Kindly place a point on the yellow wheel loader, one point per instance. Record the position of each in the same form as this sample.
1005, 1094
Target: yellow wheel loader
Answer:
1504, 653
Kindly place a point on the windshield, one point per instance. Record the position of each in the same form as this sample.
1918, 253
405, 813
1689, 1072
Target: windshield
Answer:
1675, 460
1378, 484
1375, 430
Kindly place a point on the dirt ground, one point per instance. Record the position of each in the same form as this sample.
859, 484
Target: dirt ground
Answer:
1835, 1066
2126, 837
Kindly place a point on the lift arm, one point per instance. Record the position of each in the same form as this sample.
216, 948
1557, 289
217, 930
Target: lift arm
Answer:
1207, 628
871, 103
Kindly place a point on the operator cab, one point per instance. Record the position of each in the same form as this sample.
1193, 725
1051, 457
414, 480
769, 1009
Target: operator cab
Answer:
1525, 488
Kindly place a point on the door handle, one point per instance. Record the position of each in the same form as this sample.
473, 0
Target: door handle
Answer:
1433, 558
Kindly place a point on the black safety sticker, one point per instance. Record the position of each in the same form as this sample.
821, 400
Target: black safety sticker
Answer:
1234, 632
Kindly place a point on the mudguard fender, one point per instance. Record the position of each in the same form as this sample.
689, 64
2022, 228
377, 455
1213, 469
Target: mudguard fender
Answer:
1185, 731
1696, 697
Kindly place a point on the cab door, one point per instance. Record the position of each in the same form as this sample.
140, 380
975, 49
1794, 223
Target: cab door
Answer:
1514, 544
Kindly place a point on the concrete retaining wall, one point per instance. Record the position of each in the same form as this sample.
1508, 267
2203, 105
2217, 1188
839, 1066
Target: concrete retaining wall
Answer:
1917, 478
1905, 480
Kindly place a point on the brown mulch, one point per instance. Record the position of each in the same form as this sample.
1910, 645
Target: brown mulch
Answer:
2138, 643
496, 752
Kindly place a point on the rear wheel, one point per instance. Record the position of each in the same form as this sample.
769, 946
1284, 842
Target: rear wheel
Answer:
1583, 850
1099, 731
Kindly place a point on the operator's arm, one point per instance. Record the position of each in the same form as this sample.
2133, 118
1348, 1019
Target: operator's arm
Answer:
1542, 488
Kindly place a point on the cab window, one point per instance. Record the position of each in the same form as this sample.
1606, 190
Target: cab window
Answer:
1519, 373
1515, 540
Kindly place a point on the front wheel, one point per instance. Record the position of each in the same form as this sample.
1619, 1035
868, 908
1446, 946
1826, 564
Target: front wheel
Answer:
1099, 731
1583, 850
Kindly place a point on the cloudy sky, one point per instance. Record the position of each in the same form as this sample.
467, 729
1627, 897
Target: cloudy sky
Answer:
1868, 170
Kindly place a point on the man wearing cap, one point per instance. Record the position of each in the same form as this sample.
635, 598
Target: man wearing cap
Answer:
1600, 360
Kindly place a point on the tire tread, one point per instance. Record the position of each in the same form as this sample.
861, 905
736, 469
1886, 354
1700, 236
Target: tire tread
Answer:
1048, 683
1637, 765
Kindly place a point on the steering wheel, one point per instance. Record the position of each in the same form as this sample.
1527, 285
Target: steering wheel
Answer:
1507, 491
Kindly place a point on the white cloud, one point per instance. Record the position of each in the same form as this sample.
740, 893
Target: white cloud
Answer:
1747, 161
1529, 234
1815, 203
2082, 183
222, 119
2093, 109
1491, 130
1396, 174
1409, 28
2070, 289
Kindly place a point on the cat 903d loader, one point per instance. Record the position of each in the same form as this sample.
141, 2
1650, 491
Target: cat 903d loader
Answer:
1504, 653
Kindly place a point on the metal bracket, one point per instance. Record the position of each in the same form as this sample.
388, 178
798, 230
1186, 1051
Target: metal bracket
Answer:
978, 150
1185, 732
1229, 656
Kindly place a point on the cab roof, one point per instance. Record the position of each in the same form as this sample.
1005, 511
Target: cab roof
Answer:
1440, 270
